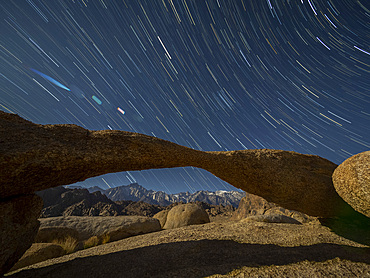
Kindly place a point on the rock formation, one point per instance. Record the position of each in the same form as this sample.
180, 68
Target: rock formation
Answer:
352, 182
185, 215
39, 252
252, 205
18, 227
35, 157
116, 227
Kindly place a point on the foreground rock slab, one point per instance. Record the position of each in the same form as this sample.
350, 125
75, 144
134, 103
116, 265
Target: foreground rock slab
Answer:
257, 249
35, 157
352, 182
116, 227
18, 227
39, 252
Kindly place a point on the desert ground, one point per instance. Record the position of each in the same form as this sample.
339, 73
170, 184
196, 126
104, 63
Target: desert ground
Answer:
222, 248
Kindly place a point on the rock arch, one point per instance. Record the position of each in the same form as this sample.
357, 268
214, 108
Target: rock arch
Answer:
35, 157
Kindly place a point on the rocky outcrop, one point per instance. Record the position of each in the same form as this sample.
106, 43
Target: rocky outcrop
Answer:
37, 157
252, 205
352, 182
76, 202
116, 227
62, 201
18, 227
139, 208
185, 215
39, 252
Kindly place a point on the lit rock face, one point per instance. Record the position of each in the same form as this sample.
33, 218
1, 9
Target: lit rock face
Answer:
184, 215
35, 157
352, 182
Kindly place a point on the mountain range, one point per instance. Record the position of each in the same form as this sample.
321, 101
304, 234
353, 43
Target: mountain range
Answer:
136, 192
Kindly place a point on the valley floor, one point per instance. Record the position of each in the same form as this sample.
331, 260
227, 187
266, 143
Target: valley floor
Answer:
217, 249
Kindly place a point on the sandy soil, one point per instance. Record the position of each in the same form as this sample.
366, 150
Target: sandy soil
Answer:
217, 249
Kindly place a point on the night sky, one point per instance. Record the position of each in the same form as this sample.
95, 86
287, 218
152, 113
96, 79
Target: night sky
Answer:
208, 74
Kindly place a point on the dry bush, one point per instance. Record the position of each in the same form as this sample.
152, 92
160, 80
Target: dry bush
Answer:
91, 242
105, 239
69, 244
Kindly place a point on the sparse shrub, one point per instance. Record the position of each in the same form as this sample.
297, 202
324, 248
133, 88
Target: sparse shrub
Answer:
69, 244
105, 239
91, 242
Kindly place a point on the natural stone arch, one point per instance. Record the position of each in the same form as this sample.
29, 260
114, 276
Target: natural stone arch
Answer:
34, 157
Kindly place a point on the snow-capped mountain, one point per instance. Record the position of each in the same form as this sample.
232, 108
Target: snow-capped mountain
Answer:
136, 192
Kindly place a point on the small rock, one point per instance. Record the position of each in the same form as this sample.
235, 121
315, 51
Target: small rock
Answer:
184, 215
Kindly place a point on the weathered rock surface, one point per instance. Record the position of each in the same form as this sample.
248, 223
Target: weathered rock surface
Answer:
352, 182
117, 227
271, 218
36, 157
39, 252
185, 215
18, 227
252, 205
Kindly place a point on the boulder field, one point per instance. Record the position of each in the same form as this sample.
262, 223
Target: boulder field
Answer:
34, 157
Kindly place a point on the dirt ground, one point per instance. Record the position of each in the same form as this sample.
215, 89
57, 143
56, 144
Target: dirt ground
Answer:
217, 249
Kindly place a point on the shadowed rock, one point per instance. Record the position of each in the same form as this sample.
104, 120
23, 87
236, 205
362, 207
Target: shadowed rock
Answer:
18, 227
35, 157
39, 252
352, 181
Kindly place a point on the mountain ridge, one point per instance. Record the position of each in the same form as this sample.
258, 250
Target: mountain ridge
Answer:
136, 192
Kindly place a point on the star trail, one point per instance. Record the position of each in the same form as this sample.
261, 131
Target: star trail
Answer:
211, 75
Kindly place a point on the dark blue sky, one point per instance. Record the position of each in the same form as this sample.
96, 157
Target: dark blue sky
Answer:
210, 75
